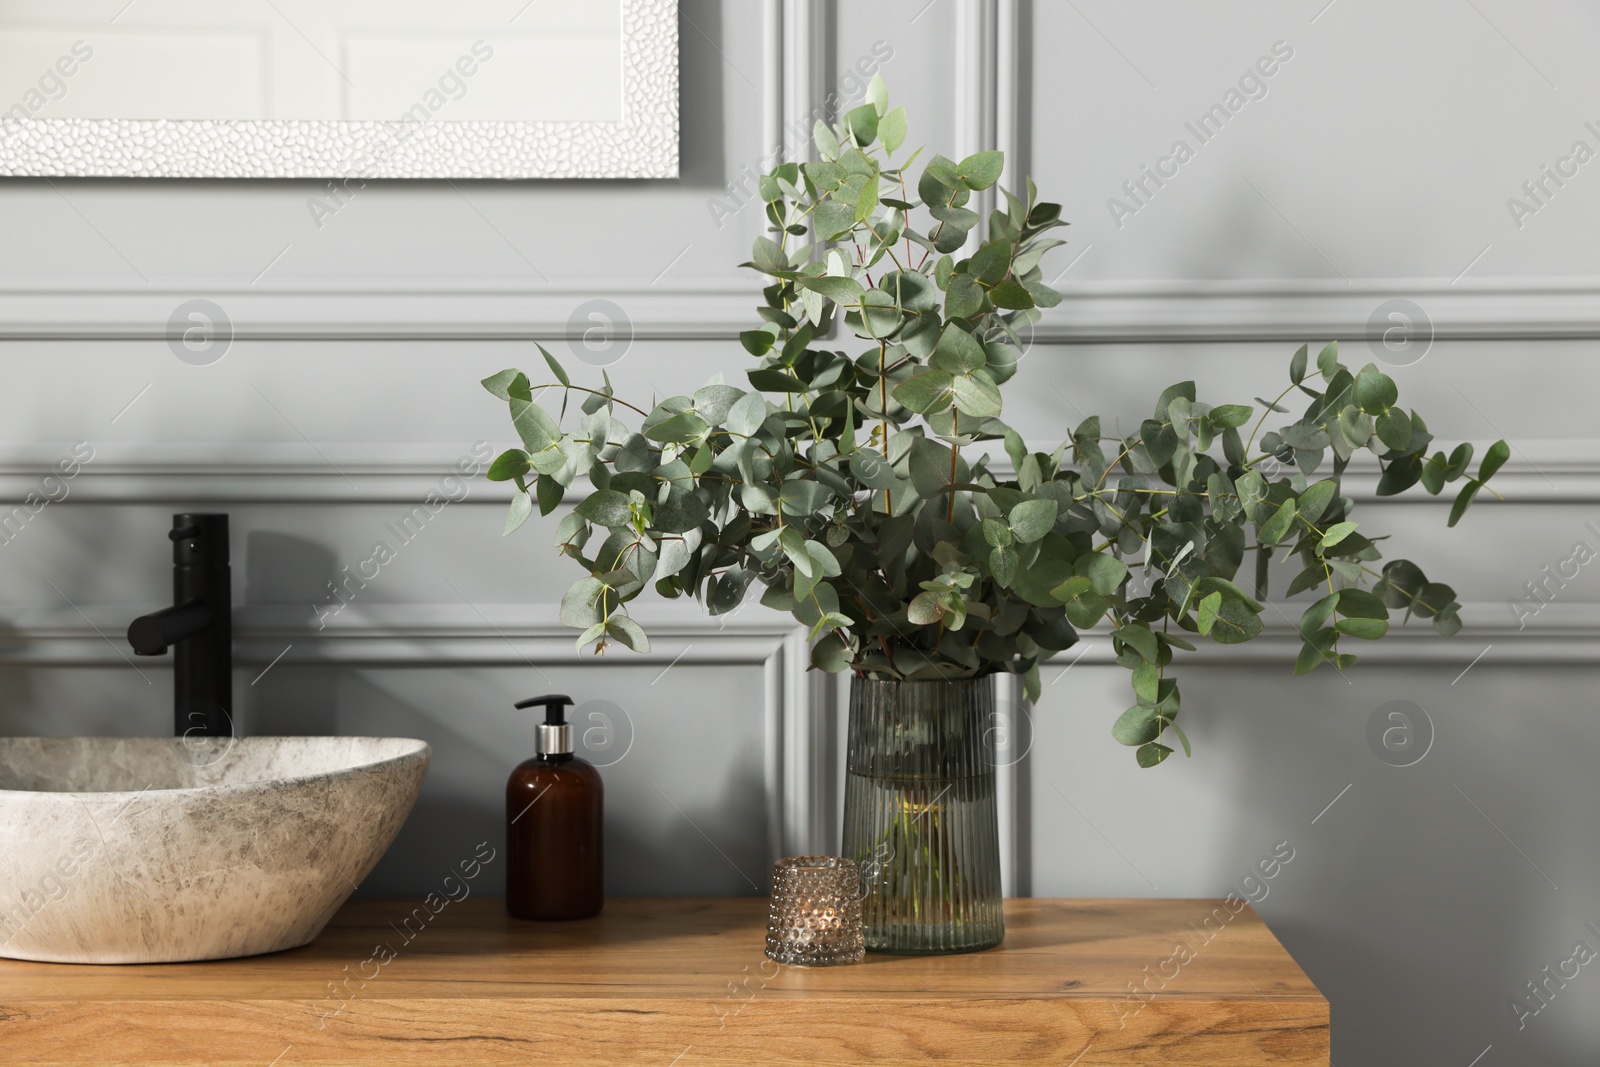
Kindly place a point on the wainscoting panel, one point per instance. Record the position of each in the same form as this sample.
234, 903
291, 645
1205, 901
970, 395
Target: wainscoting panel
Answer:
327, 400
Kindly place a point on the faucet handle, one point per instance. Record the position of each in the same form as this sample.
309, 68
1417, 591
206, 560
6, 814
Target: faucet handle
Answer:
199, 539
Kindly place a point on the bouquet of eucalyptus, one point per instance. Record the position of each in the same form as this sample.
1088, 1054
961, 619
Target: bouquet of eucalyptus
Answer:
866, 483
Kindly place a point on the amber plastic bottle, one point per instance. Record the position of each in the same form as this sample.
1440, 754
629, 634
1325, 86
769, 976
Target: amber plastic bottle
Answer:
554, 821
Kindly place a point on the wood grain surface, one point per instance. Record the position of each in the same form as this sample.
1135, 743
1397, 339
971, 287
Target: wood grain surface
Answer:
678, 982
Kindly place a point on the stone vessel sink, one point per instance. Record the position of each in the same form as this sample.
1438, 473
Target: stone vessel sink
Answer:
152, 850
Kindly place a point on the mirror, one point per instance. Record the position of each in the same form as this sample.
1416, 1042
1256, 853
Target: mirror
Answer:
339, 88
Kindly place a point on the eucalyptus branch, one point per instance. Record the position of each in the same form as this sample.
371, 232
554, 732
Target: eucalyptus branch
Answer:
739, 488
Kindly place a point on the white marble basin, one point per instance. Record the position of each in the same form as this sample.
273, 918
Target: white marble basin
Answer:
151, 850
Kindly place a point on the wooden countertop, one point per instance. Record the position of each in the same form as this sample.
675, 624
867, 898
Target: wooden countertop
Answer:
675, 982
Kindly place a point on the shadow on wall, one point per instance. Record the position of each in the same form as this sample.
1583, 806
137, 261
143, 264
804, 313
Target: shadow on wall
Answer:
706, 844
1421, 895
702, 69
283, 568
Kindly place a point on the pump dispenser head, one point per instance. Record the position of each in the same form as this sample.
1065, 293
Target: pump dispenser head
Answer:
554, 735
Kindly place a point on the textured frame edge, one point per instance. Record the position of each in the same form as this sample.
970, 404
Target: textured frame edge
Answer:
643, 145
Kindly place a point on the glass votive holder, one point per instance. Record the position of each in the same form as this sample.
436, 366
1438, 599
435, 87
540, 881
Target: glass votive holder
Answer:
815, 914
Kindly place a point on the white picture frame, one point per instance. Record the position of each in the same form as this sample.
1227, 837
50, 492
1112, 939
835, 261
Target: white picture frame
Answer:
644, 144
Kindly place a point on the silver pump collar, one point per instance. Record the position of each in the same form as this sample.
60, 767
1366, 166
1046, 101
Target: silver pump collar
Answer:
554, 740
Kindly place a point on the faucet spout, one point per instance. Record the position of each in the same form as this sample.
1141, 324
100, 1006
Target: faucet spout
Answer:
153, 634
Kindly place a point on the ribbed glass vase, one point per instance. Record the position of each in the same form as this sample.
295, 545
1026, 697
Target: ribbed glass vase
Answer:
919, 815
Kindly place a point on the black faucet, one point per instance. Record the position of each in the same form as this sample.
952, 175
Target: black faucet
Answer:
198, 627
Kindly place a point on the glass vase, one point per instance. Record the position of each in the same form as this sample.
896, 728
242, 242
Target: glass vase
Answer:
919, 815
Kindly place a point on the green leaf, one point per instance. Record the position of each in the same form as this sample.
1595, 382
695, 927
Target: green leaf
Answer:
827, 144
1032, 519
892, 130
1012, 295
957, 352
1147, 684
500, 384
1206, 615
550, 493
975, 394
593, 633
923, 609
606, 507
757, 342
1309, 578
625, 631
536, 428
1297, 365
991, 262
1138, 725
832, 653
802, 497
1317, 615
582, 604
1276, 528
1493, 460
713, 402
1251, 488
1138, 637
982, 169
1003, 563
871, 469
1312, 653
1037, 583
1104, 571
1400, 475
839, 290
1366, 629
996, 533
862, 122
521, 508
747, 414
1151, 754
1463, 500
1235, 623
1432, 473
681, 512
964, 298
1229, 416
1361, 604
925, 393
1328, 361
675, 427
833, 219
555, 368
1375, 391
1073, 588
1394, 429
1313, 503
512, 463
1336, 533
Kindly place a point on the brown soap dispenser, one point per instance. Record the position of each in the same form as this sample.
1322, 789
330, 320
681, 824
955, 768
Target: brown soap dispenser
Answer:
554, 813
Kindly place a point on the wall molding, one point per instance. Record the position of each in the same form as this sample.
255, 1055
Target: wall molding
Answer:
1539, 472
1165, 312
802, 712
976, 84
1544, 309
375, 310
484, 634
799, 770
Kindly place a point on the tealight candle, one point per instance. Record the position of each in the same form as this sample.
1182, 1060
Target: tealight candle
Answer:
815, 914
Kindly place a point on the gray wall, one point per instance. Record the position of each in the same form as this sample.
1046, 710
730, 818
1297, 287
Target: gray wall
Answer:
1376, 166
